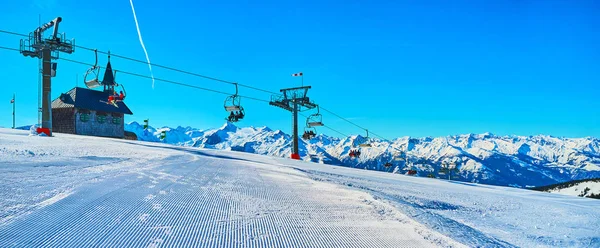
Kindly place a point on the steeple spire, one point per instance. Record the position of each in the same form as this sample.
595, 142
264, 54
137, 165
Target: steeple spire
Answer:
109, 80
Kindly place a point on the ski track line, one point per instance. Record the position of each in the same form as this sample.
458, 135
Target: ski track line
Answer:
294, 241
189, 211
74, 219
81, 179
69, 185
131, 201
134, 217
71, 219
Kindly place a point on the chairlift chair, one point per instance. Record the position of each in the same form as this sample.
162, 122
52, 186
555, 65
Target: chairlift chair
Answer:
119, 85
94, 71
237, 116
410, 170
315, 120
366, 143
232, 107
232, 104
399, 156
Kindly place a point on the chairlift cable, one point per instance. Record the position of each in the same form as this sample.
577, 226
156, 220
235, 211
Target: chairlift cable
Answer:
13, 33
338, 116
8, 48
166, 81
181, 71
220, 92
198, 75
187, 85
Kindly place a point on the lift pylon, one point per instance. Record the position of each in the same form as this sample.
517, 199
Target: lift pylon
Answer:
293, 100
46, 49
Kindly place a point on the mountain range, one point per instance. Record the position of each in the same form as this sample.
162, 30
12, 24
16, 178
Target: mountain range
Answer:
518, 161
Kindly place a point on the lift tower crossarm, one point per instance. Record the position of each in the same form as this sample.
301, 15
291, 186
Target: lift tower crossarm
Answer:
54, 23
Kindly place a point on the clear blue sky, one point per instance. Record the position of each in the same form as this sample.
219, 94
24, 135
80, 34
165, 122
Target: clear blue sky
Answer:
400, 68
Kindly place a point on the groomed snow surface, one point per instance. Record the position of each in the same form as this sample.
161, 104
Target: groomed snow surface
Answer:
77, 191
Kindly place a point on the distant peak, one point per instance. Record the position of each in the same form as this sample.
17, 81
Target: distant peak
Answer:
228, 126
485, 135
133, 123
265, 128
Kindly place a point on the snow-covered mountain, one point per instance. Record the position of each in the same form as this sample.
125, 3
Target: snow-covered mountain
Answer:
582, 188
520, 161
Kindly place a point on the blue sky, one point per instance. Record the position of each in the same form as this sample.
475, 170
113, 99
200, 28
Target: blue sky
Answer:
399, 68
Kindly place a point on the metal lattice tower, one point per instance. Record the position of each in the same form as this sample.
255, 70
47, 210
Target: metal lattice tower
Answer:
46, 49
293, 100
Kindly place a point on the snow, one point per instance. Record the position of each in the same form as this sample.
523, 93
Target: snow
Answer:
76, 191
519, 161
579, 189
87, 191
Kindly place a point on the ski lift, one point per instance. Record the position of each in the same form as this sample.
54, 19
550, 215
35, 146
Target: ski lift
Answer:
119, 85
232, 104
398, 156
309, 133
94, 71
354, 153
410, 170
315, 120
366, 143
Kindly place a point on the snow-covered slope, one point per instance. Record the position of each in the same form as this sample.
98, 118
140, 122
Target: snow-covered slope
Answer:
81, 191
521, 161
583, 188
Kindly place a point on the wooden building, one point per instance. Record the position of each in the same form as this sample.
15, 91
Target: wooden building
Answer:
85, 111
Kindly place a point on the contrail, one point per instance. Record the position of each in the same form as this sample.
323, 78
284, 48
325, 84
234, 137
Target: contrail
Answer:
142, 42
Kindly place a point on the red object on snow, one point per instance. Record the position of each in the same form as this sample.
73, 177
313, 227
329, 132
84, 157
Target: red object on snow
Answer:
43, 130
296, 156
411, 172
